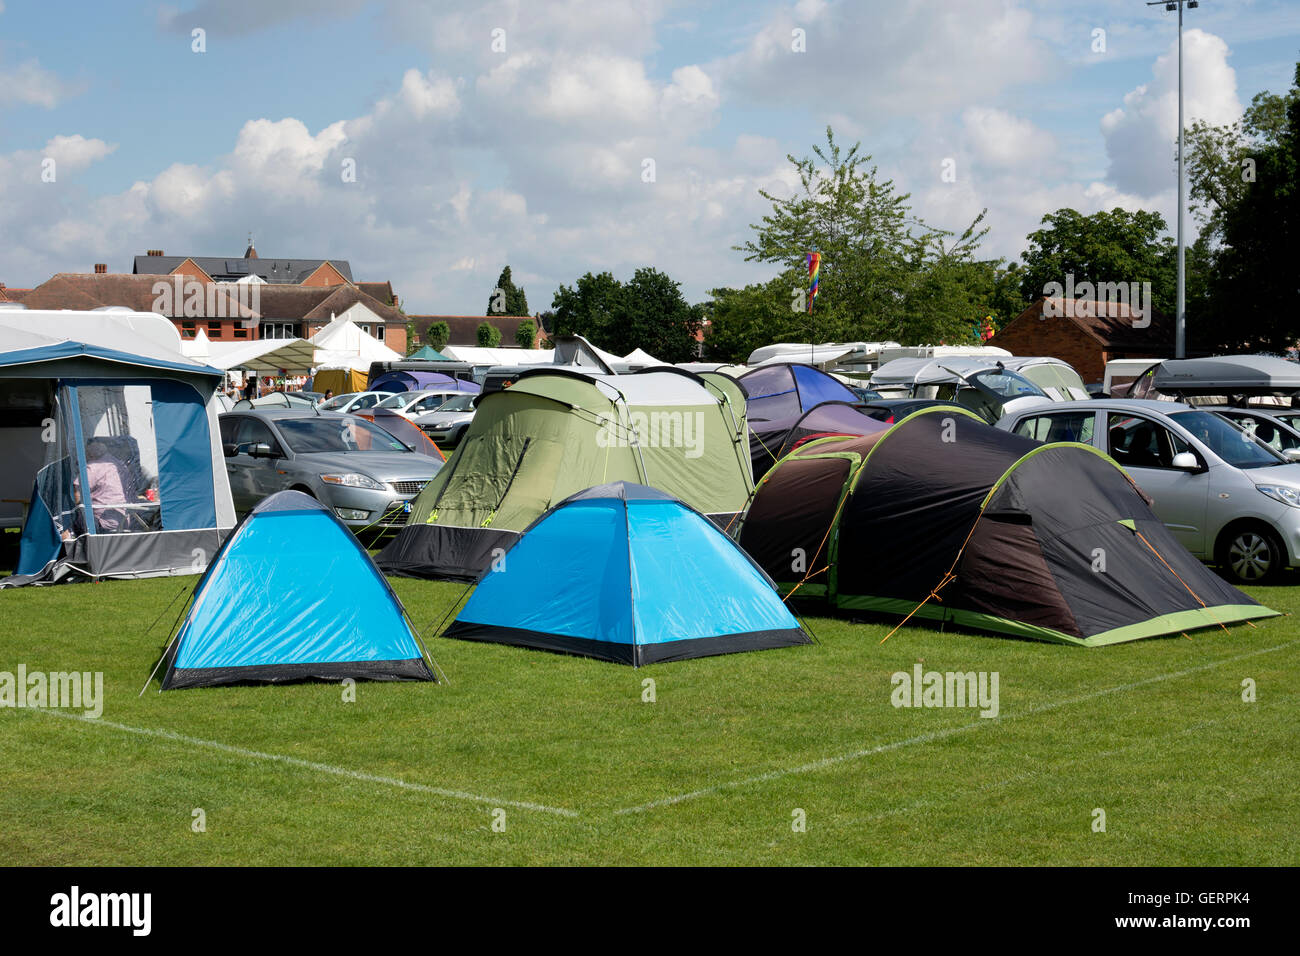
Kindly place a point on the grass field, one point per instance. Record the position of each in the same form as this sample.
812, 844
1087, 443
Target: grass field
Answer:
1155, 733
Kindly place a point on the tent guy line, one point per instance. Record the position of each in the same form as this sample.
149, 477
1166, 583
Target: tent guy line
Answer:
317, 767
937, 734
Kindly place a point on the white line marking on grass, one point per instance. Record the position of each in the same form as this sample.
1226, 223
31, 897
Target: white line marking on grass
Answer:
317, 767
935, 735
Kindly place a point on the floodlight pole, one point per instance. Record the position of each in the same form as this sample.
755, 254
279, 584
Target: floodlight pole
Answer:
1180, 334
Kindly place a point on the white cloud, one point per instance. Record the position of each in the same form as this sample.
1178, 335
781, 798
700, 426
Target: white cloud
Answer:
30, 84
1141, 135
427, 95
999, 139
895, 58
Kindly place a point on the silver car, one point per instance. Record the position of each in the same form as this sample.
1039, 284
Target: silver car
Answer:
1226, 496
366, 475
448, 425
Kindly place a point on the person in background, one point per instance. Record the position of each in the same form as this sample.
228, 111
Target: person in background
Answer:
110, 484
329, 393
250, 388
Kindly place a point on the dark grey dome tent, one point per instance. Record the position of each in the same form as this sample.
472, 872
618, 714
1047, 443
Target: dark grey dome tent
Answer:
945, 518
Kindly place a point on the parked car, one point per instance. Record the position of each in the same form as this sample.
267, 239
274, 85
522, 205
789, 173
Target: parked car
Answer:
1272, 430
1228, 497
448, 425
413, 404
890, 410
985, 386
354, 401
365, 474
865, 394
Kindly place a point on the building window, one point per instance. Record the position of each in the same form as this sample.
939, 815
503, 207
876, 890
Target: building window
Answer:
214, 330
187, 330
240, 332
279, 330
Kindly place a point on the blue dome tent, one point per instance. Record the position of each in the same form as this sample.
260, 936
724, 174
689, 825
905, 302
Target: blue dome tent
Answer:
626, 573
262, 615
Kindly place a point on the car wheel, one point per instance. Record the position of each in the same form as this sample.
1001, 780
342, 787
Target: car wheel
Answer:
1252, 554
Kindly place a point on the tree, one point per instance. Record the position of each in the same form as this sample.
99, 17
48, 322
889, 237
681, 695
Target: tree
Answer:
589, 308
874, 251
507, 298
437, 335
655, 317
1111, 246
525, 334
1220, 165
1252, 285
741, 320
489, 336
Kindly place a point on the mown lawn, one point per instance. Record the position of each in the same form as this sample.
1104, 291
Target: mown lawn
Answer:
1154, 733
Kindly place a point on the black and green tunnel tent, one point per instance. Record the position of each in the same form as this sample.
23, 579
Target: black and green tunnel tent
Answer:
949, 519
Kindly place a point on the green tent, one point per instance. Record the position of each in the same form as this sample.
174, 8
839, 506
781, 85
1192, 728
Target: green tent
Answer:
557, 431
429, 353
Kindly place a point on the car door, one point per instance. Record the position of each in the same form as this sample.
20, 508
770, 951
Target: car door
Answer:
1077, 425
1146, 449
252, 479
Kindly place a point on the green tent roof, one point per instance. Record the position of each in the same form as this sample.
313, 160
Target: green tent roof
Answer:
429, 353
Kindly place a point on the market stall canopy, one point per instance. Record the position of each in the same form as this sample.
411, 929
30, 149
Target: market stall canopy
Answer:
264, 355
344, 343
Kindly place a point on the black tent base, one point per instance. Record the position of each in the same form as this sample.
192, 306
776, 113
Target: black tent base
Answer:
636, 655
415, 669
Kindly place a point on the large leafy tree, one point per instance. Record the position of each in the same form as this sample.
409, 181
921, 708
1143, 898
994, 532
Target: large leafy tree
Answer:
1109, 246
1221, 165
647, 312
589, 308
655, 317
882, 268
488, 335
506, 298
1254, 284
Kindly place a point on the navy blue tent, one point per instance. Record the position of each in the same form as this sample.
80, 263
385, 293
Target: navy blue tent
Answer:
626, 573
292, 596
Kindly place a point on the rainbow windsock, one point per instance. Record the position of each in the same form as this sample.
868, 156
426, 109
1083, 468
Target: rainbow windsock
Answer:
814, 260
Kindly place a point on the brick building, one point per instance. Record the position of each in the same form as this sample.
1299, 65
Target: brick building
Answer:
237, 303
1086, 334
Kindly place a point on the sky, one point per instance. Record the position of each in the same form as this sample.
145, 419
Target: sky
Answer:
431, 143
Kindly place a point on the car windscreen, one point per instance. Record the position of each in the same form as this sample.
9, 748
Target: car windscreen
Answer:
338, 401
400, 400
310, 435
461, 403
1232, 444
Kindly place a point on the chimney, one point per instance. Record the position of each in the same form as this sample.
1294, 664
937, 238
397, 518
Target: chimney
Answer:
155, 252
101, 268
395, 302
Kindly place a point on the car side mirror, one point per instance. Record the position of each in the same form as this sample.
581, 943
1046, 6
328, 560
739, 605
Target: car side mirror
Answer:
1186, 461
1292, 454
230, 449
260, 450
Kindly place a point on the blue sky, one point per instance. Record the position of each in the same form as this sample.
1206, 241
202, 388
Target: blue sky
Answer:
469, 157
